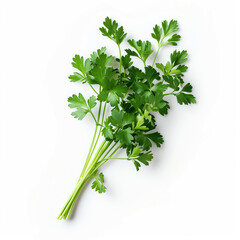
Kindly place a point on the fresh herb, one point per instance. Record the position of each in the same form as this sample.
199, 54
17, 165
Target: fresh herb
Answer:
132, 95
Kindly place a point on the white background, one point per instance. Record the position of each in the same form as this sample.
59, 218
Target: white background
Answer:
189, 191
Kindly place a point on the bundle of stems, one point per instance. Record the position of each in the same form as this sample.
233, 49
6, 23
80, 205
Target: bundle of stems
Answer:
95, 159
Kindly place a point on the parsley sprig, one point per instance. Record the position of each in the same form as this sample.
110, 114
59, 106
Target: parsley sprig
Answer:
131, 94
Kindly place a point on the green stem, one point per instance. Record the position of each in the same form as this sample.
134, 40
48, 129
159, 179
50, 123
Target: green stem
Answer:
100, 149
144, 64
100, 152
171, 93
77, 189
93, 88
106, 159
110, 150
106, 155
120, 57
159, 46
87, 173
90, 150
95, 120
100, 130
155, 58
65, 213
99, 110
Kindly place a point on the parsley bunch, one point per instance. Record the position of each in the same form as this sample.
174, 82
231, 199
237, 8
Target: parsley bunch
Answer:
132, 95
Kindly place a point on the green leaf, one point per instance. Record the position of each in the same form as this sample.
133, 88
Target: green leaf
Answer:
140, 122
143, 141
81, 65
120, 35
173, 40
182, 68
139, 87
108, 132
92, 102
136, 74
184, 98
169, 28
110, 25
125, 136
159, 87
151, 74
137, 164
147, 115
113, 96
131, 53
116, 118
98, 183
120, 118
103, 95
113, 99
168, 67
175, 72
173, 82
77, 101
157, 102
164, 110
112, 31
128, 118
99, 74
110, 80
109, 96
136, 100
145, 158
96, 54
142, 47
157, 33
187, 88
161, 67
80, 113
120, 90
126, 61
103, 60
82, 108
178, 57
156, 137
77, 77
127, 106
135, 152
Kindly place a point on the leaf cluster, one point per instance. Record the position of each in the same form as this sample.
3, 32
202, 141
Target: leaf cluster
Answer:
133, 95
